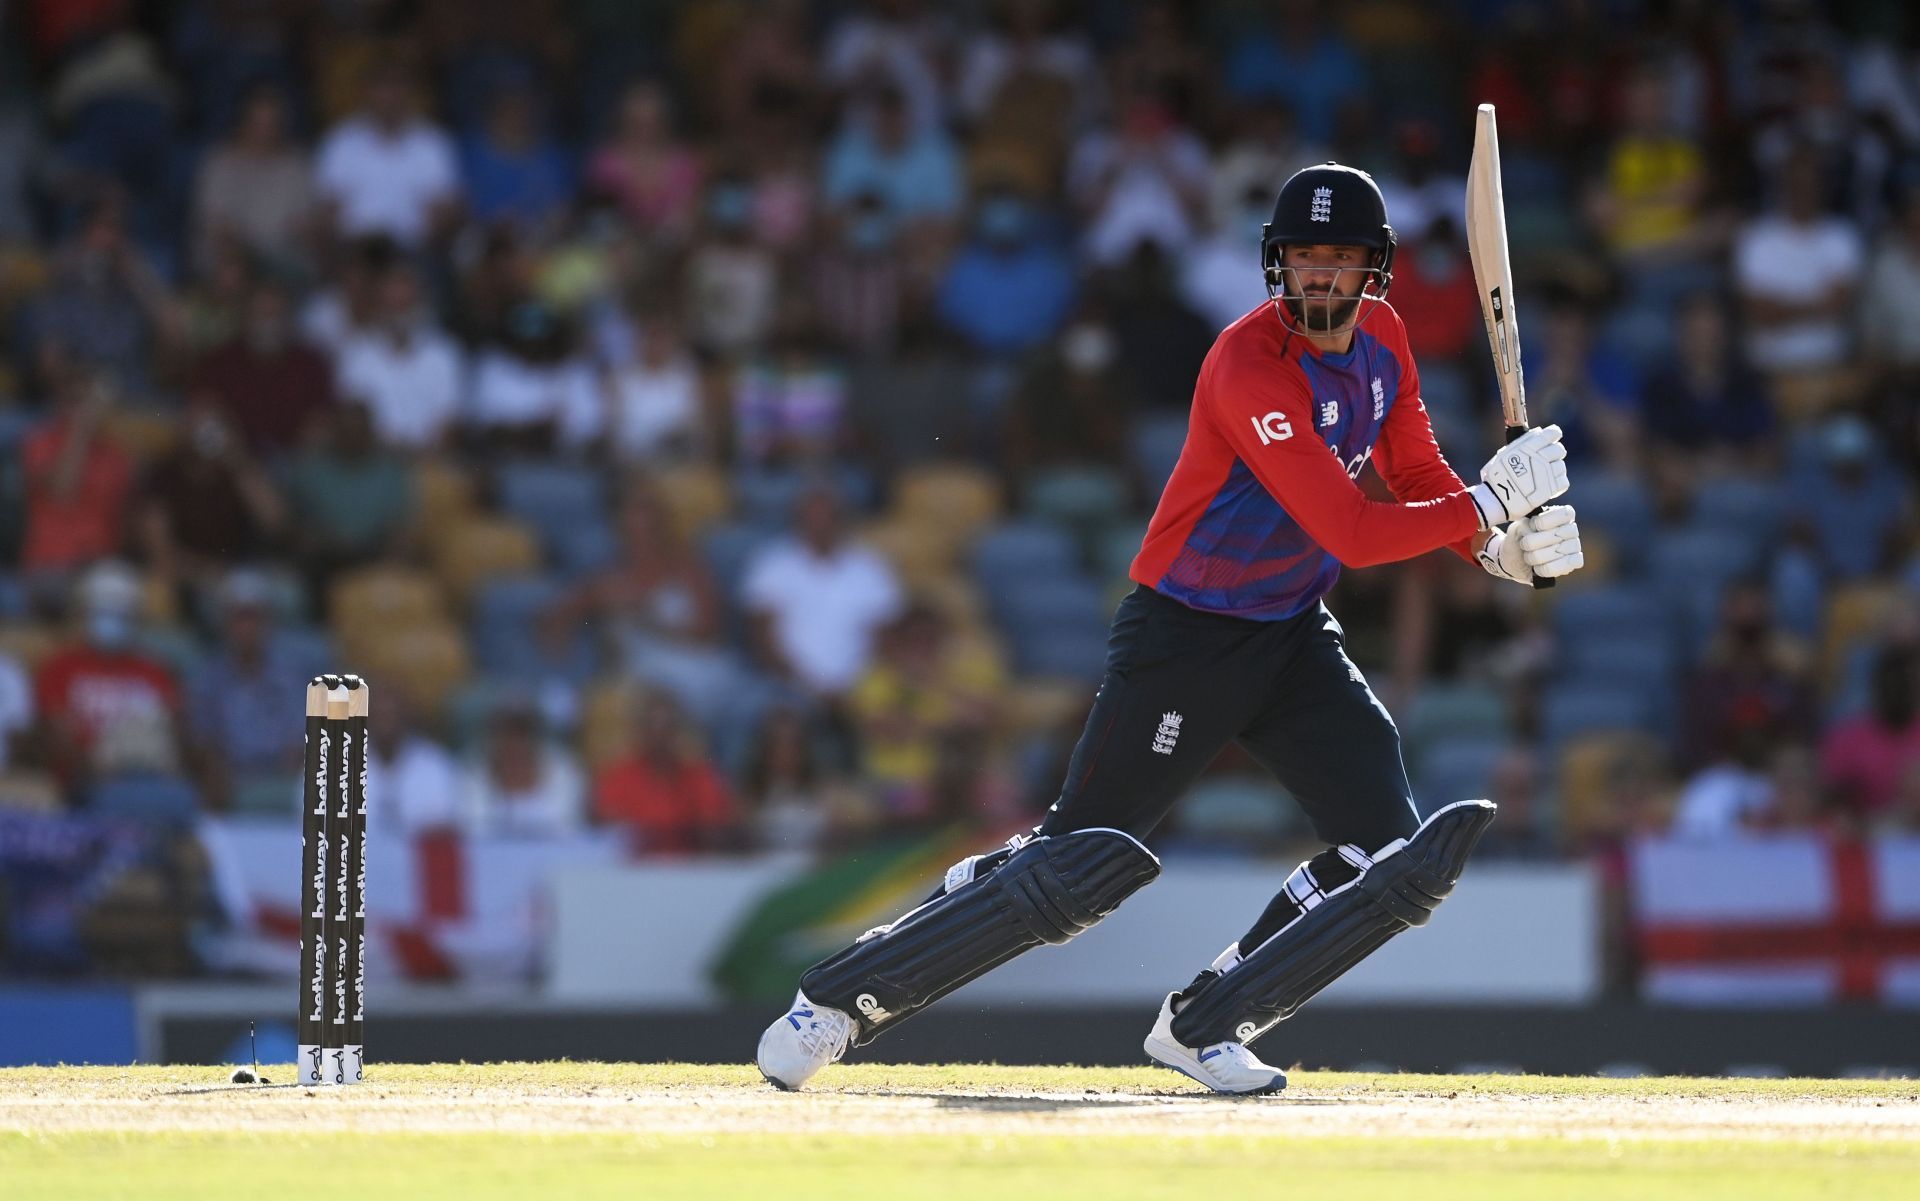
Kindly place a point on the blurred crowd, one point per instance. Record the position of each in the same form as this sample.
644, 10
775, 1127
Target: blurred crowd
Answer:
731, 422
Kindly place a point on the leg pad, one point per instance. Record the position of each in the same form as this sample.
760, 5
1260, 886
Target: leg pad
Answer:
1047, 891
1400, 887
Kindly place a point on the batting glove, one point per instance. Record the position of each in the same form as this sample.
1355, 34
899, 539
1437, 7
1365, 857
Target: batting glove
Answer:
1545, 545
1531, 471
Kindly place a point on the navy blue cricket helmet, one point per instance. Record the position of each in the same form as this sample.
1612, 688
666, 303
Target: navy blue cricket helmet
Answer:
1329, 205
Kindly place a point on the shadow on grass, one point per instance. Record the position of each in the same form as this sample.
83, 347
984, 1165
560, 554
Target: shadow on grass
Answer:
1001, 1103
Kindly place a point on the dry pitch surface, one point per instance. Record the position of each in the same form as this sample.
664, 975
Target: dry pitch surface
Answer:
903, 1133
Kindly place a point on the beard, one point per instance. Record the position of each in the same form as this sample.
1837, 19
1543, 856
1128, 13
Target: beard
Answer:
1314, 316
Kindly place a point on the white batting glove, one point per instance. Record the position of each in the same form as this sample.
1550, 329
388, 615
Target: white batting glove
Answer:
1531, 471
1545, 545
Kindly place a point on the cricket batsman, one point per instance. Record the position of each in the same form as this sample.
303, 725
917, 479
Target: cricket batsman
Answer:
1226, 639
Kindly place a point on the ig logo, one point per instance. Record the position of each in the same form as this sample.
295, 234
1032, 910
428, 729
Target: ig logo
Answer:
1274, 427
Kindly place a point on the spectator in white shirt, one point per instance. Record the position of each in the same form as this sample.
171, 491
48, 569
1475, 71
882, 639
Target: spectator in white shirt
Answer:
1220, 276
530, 391
653, 403
1145, 180
405, 370
521, 785
413, 783
389, 170
817, 598
1798, 272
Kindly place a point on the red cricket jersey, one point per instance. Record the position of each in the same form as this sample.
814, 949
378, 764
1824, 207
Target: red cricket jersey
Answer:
1262, 508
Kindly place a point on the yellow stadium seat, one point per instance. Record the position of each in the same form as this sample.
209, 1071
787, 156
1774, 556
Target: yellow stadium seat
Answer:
1853, 612
1038, 705
697, 495
29, 792
28, 642
920, 556
958, 498
378, 598
1587, 767
443, 496
427, 663
145, 436
606, 724
483, 548
955, 597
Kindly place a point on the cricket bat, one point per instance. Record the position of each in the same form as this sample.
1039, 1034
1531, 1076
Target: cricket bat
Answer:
1493, 274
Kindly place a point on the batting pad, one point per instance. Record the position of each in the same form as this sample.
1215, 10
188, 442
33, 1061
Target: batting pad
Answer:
1402, 887
1046, 892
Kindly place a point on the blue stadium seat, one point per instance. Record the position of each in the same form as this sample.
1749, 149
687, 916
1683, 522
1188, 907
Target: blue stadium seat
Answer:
1071, 650
1619, 507
1156, 448
767, 498
1646, 661
149, 798
1116, 548
1604, 613
1457, 769
1453, 711
310, 645
1239, 812
1691, 567
551, 497
1077, 496
513, 604
582, 549
728, 547
1059, 599
1577, 708
506, 639
1014, 552
1742, 502
13, 597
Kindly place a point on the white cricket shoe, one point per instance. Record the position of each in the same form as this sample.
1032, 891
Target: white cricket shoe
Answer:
1222, 1067
807, 1038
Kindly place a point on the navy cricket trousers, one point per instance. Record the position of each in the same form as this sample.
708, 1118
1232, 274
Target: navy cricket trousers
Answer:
1181, 684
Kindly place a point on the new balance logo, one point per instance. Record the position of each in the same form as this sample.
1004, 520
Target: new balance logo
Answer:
797, 1014
1329, 413
1167, 734
1322, 204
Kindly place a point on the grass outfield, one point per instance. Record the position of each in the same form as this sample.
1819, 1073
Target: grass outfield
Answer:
567, 1130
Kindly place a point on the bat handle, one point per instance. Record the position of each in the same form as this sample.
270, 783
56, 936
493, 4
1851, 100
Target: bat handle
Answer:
1514, 431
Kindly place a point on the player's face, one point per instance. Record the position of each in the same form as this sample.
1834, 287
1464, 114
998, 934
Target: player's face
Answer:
1327, 280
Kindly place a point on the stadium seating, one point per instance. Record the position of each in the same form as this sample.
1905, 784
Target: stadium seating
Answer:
1156, 448
1011, 554
550, 497
1620, 507
384, 597
1079, 498
1574, 709
1457, 768
483, 548
149, 798
1234, 813
30, 792
959, 498
696, 494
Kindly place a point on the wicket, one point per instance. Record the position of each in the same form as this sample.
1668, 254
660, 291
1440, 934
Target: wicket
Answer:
333, 883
